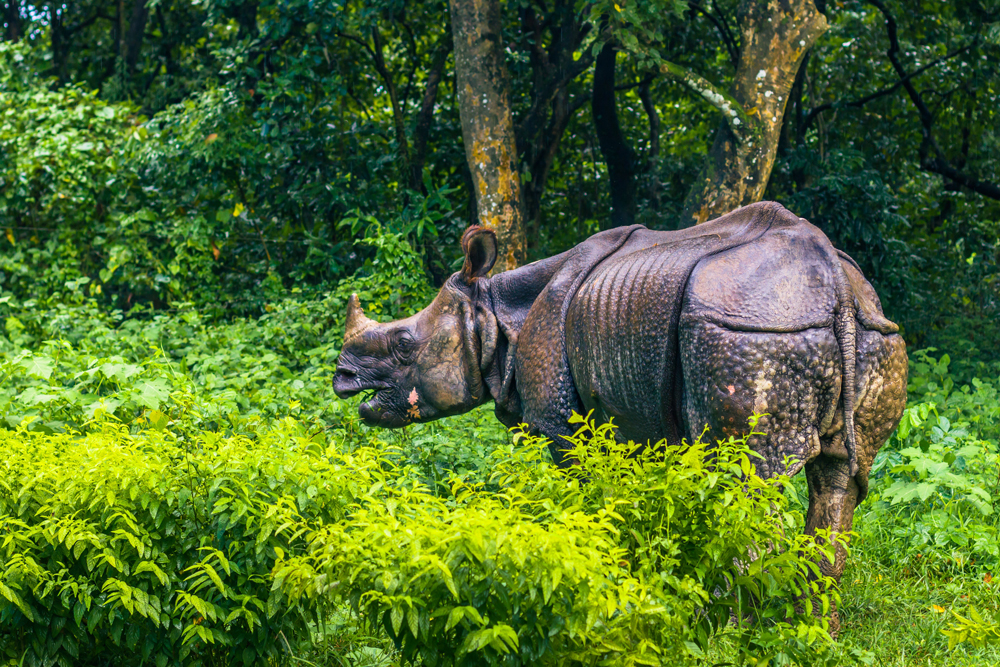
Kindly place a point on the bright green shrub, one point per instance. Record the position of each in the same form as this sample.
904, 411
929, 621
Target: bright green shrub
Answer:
157, 548
975, 629
630, 558
162, 548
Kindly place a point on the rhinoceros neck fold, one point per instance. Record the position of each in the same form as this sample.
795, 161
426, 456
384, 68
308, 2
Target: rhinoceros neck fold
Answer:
509, 296
514, 296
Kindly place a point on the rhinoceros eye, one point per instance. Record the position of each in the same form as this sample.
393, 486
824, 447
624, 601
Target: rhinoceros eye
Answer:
404, 345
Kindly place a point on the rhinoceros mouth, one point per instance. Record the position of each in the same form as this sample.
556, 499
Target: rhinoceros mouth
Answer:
377, 411
369, 395
348, 385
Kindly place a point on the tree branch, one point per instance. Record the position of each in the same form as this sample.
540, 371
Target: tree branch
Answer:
529, 124
727, 37
654, 120
944, 168
645, 81
926, 117
732, 111
358, 40
939, 164
811, 116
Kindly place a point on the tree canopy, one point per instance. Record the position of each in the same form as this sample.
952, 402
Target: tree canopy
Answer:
212, 150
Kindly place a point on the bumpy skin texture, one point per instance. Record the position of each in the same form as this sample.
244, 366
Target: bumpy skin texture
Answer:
667, 333
669, 339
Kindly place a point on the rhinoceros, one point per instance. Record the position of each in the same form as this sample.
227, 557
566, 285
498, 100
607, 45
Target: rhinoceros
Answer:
665, 332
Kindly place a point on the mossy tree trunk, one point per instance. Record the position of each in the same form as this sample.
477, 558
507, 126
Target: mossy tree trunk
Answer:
487, 124
775, 37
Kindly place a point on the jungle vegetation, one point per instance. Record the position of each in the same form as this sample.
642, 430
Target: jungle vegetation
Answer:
191, 189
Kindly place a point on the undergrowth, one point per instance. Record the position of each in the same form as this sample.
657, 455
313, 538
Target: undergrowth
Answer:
182, 490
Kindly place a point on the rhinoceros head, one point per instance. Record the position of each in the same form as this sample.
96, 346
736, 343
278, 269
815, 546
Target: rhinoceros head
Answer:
428, 365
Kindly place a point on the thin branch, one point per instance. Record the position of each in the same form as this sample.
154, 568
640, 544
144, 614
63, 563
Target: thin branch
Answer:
528, 125
939, 164
87, 22
358, 40
944, 168
926, 117
390, 84
732, 111
654, 121
413, 70
727, 37
533, 29
811, 116
645, 81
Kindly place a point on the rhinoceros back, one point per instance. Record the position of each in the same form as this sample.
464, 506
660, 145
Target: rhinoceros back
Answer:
621, 338
622, 323
622, 327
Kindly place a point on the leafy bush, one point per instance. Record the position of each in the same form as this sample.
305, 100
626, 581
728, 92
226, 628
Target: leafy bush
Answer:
157, 548
974, 629
173, 547
631, 557
937, 478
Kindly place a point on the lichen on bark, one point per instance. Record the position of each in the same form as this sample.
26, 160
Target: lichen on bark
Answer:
775, 37
488, 126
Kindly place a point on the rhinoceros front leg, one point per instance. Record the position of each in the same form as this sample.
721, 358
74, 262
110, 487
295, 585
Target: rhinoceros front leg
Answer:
833, 495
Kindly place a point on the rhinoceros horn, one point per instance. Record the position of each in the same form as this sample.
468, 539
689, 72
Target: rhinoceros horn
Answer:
357, 323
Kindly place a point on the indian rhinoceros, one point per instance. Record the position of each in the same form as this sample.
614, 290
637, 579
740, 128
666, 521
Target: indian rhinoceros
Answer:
665, 332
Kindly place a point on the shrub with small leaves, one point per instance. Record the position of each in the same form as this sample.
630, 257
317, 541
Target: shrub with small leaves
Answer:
156, 548
632, 557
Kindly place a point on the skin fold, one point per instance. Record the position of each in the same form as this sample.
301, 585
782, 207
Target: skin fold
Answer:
665, 333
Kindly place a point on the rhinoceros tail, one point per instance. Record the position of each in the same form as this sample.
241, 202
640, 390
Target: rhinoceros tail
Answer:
845, 328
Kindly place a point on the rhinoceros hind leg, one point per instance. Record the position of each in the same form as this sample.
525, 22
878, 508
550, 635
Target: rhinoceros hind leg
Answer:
833, 495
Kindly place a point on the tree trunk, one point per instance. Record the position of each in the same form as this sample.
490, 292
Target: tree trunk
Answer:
487, 124
12, 17
618, 156
132, 41
775, 36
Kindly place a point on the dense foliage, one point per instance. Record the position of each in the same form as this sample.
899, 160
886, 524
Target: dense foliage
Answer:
145, 520
229, 156
191, 190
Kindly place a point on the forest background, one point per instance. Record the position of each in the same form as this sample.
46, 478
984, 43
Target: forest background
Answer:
189, 190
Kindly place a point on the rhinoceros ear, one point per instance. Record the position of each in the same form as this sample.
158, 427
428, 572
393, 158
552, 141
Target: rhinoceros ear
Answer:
480, 247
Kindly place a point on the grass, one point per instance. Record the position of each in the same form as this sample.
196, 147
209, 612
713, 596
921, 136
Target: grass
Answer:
897, 611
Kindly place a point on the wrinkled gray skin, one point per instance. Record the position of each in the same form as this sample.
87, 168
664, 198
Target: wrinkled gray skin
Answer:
665, 332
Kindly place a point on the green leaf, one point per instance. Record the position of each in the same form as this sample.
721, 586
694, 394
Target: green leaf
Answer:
38, 366
152, 393
396, 617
